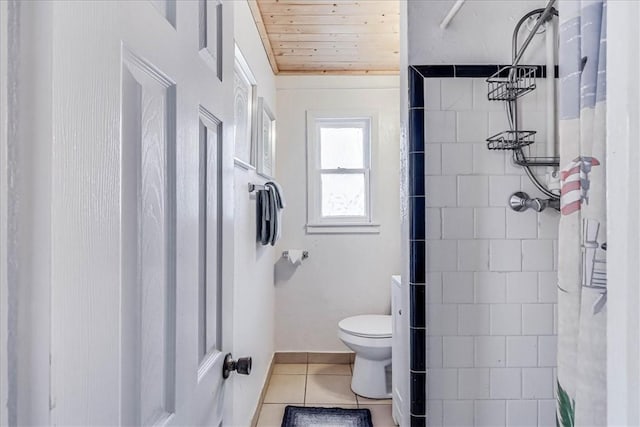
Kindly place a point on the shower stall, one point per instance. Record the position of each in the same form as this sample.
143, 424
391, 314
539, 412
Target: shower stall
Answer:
484, 195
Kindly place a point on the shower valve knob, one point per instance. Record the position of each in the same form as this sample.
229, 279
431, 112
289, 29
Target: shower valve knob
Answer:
241, 366
520, 201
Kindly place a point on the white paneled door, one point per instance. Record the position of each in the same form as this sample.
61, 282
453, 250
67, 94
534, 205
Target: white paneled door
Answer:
141, 211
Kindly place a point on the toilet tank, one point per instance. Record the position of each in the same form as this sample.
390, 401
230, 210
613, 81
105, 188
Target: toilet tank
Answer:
400, 353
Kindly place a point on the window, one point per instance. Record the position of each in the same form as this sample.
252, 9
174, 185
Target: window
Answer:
339, 158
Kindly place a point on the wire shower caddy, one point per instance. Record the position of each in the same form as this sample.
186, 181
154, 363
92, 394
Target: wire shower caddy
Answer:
509, 84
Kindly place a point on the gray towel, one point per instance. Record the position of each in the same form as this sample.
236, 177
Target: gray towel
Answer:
263, 214
279, 193
269, 204
279, 204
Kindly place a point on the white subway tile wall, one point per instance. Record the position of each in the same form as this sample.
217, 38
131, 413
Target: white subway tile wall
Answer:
473, 383
439, 126
441, 191
457, 159
473, 190
457, 352
487, 162
434, 224
457, 413
522, 351
456, 94
489, 223
470, 124
457, 287
490, 413
506, 383
473, 255
433, 159
489, 287
489, 351
434, 409
457, 223
491, 283
522, 413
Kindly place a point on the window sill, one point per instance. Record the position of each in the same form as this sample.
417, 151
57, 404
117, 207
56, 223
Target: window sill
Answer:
343, 228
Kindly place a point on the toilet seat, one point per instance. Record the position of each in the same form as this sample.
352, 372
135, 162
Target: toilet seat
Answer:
367, 326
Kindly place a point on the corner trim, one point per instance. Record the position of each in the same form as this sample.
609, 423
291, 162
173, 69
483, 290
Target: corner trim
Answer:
263, 392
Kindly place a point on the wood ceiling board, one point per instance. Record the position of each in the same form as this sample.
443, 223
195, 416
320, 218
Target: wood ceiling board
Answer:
286, 66
363, 44
369, 28
264, 36
386, 8
333, 37
330, 20
333, 29
305, 63
334, 52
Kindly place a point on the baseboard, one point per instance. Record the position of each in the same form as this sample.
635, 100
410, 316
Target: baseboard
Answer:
256, 412
335, 357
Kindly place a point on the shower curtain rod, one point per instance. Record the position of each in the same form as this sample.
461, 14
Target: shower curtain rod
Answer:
454, 10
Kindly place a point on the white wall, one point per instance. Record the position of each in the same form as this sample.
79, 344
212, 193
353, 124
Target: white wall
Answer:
623, 232
479, 34
491, 272
345, 275
6, 26
253, 287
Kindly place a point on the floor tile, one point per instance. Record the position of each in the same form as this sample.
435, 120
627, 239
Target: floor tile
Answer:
380, 415
328, 369
365, 401
285, 389
329, 358
271, 415
330, 389
289, 368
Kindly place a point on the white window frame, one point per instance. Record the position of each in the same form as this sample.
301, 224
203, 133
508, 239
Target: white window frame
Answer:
316, 223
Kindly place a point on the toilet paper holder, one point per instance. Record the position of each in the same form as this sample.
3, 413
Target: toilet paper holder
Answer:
305, 254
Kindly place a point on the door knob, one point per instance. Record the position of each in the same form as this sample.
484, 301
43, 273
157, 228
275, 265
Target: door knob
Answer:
241, 366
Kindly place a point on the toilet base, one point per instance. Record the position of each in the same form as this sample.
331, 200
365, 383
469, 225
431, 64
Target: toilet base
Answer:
370, 378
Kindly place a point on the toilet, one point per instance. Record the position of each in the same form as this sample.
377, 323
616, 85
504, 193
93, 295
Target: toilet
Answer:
369, 336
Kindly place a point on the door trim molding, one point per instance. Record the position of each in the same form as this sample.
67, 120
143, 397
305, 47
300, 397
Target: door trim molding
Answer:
7, 27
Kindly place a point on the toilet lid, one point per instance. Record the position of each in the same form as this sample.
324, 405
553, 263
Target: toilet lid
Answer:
370, 325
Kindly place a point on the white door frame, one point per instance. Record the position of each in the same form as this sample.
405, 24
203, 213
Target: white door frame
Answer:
623, 208
4, 143
24, 214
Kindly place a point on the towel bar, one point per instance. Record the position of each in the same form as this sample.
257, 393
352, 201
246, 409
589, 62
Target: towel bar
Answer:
254, 187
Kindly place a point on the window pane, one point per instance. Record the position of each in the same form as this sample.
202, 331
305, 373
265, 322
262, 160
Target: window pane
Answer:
343, 195
341, 148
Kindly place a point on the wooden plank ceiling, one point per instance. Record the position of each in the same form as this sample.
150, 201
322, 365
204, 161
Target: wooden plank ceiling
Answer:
330, 37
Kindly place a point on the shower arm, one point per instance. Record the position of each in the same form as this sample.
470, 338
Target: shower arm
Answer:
545, 14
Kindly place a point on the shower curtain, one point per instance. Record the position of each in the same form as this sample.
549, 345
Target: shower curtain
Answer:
582, 294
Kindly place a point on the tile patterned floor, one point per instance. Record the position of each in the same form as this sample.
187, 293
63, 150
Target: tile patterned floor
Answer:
316, 384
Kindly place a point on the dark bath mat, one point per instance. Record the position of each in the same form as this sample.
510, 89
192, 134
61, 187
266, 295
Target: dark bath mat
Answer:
298, 416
